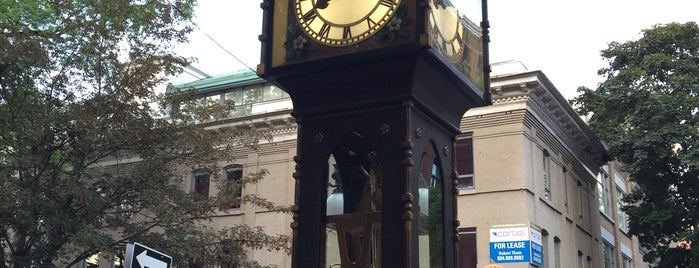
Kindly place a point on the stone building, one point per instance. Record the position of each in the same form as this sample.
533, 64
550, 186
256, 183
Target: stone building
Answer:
527, 162
263, 107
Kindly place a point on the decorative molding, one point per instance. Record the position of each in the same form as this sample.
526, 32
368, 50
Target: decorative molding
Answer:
555, 113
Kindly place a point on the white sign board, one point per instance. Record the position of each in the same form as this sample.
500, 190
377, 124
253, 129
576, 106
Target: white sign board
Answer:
509, 244
537, 254
140, 256
515, 243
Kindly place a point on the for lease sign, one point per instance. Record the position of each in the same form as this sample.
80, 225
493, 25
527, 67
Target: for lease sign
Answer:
509, 244
515, 243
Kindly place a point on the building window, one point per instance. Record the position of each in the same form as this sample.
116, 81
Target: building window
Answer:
581, 200
200, 183
544, 248
621, 217
464, 161
603, 191
564, 171
547, 174
233, 186
245, 98
557, 251
608, 255
467, 248
626, 262
585, 203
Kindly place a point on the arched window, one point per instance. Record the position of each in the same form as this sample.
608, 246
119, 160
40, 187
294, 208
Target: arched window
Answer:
353, 206
200, 182
233, 185
544, 248
557, 251
547, 174
431, 212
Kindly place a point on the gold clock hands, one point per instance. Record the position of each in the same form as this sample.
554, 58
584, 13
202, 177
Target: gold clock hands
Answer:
322, 4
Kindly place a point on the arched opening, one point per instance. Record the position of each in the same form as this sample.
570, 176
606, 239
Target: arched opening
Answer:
431, 210
353, 210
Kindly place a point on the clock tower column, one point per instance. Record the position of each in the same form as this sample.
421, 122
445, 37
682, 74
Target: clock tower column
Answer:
379, 90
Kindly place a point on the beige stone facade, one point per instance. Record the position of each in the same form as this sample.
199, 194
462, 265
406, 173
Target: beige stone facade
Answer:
534, 163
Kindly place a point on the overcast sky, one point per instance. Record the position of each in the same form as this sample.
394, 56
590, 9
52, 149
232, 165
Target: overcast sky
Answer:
561, 38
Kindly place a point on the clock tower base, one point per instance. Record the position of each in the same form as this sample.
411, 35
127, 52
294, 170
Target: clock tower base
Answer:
399, 117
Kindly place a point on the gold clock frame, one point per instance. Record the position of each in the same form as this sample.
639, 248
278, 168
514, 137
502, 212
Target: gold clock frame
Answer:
327, 22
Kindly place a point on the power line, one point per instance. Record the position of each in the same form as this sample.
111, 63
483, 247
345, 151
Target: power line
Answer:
210, 38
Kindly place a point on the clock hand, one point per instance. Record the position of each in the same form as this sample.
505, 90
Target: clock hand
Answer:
322, 4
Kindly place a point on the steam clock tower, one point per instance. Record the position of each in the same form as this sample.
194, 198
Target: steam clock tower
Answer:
379, 88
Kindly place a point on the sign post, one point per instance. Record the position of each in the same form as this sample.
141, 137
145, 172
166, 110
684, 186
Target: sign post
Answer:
140, 256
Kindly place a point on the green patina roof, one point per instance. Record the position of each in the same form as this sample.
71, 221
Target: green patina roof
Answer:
232, 80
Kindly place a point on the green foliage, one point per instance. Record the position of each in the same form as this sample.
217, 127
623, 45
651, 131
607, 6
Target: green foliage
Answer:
435, 227
647, 113
90, 156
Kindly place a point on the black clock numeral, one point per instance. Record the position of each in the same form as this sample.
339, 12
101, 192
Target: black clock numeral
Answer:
388, 3
346, 33
310, 15
371, 23
324, 30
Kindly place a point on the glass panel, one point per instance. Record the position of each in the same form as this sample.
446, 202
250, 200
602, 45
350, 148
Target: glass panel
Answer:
201, 183
252, 95
464, 156
195, 104
272, 93
213, 100
465, 181
547, 174
353, 211
239, 107
430, 236
557, 252
467, 249
233, 190
464, 161
544, 249
457, 36
235, 96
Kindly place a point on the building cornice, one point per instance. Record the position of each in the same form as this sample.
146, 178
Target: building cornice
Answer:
546, 103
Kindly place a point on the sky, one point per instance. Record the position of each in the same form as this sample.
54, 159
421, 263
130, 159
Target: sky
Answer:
561, 38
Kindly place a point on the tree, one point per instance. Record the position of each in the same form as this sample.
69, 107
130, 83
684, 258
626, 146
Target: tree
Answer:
90, 154
647, 112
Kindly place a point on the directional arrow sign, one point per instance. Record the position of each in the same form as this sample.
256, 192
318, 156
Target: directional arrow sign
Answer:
150, 262
140, 256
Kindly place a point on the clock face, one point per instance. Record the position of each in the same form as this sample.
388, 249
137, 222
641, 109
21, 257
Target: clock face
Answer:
450, 32
343, 22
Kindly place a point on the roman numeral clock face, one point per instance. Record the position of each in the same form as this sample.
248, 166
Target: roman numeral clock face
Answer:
343, 22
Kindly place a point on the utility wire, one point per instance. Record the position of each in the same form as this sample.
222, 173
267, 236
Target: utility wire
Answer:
210, 38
